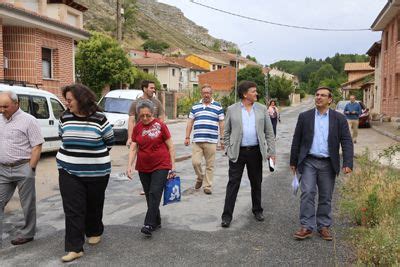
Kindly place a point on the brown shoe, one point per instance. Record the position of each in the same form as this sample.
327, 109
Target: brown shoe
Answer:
207, 191
21, 241
303, 233
325, 234
198, 185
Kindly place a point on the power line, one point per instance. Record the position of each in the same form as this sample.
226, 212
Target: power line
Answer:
276, 23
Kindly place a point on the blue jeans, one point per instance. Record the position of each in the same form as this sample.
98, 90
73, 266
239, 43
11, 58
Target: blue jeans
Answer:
317, 173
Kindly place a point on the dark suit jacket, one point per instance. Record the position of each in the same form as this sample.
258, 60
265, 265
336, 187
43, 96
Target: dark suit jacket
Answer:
339, 134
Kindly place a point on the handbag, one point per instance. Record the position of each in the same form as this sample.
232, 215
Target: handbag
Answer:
172, 191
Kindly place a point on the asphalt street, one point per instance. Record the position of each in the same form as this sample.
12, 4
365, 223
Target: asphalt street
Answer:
191, 233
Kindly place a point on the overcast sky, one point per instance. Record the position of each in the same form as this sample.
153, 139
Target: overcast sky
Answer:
273, 43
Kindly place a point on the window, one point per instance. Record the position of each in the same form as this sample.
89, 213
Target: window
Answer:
24, 103
173, 72
146, 70
213, 67
58, 109
164, 86
47, 68
219, 67
40, 108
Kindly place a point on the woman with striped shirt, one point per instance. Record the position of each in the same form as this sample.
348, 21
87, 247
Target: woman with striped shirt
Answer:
84, 168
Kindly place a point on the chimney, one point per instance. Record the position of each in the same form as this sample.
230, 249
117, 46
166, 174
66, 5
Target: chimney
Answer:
145, 53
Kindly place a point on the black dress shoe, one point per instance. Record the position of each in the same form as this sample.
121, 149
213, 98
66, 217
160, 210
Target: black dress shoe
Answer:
21, 240
225, 223
259, 217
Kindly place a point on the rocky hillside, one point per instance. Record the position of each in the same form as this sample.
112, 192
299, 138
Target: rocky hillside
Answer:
157, 20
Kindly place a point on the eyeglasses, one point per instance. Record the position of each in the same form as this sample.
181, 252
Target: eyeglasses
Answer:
145, 116
321, 95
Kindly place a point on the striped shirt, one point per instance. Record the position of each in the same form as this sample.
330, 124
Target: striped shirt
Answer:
86, 142
206, 121
18, 136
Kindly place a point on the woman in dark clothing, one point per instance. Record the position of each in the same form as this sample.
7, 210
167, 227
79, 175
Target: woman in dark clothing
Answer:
154, 152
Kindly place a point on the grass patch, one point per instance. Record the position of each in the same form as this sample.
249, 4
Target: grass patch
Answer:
370, 197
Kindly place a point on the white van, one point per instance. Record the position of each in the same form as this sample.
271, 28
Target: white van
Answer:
45, 107
115, 105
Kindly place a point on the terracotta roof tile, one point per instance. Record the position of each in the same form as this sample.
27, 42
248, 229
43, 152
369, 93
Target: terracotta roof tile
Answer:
354, 66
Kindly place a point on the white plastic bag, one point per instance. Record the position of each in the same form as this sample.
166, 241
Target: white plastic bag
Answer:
295, 184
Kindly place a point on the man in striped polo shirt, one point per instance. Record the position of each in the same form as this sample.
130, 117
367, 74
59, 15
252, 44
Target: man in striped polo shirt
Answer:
205, 117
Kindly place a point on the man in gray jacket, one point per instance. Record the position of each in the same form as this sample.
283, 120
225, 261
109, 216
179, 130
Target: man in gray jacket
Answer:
249, 140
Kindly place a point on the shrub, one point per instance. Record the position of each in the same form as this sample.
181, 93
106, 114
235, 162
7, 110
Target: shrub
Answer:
370, 196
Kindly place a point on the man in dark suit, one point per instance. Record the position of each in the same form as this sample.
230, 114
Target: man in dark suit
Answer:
315, 156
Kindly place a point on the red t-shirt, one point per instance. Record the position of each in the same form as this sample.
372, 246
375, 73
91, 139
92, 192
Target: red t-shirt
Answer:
152, 153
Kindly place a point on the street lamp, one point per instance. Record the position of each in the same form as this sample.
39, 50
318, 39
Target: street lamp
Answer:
237, 67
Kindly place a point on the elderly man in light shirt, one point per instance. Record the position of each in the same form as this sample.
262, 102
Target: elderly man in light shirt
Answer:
20, 145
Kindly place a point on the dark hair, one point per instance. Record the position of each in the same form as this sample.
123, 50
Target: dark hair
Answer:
270, 102
324, 88
85, 97
145, 84
243, 87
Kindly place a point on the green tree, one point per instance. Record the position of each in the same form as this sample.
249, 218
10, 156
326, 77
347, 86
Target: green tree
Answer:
255, 74
280, 88
101, 61
155, 46
216, 46
251, 58
141, 76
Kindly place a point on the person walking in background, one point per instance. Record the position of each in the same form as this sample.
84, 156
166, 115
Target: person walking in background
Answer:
273, 114
84, 167
315, 156
352, 111
20, 147
153, 150
206, 117
249, 140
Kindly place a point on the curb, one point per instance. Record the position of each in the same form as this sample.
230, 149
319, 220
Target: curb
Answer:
386, 133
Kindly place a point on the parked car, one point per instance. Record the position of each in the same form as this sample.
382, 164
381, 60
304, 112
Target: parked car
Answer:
364, 120
45, 107
115, 105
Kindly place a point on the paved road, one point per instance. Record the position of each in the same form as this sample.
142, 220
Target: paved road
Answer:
191, 233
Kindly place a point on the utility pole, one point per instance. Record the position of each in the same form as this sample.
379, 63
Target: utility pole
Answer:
119, 21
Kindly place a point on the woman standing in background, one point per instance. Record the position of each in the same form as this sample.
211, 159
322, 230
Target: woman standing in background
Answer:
273, 114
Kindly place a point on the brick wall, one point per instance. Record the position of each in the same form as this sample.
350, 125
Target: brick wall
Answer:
390, 103
23, 47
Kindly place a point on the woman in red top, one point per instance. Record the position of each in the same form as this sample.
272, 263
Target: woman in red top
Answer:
154, 152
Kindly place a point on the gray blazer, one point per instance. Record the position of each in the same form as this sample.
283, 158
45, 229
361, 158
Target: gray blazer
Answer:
233, 131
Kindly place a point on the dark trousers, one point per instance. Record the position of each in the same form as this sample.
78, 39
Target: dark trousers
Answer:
252, 159
153, 186
83, 201
274, 122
